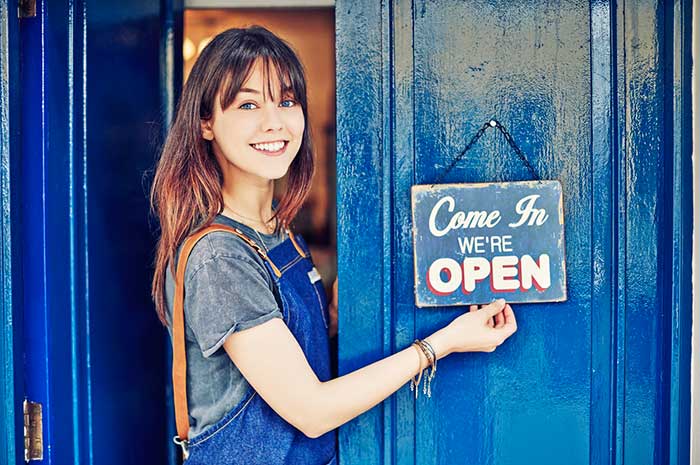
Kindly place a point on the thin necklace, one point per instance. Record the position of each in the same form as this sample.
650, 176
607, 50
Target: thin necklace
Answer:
261, 239
259, 221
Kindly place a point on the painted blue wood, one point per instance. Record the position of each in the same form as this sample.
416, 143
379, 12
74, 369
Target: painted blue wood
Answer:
51, 102
682, 237
644, 216
474, 61
94, 349
363, 188
124, 125
603, 159
402, 148
599, 378
474, 243
11, 374
605, 376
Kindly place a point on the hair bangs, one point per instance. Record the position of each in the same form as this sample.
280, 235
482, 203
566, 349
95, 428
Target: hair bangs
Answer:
287, 70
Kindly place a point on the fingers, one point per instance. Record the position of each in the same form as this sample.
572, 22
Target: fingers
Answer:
510, 325
500, 320
474, 308
494, 308
509, 317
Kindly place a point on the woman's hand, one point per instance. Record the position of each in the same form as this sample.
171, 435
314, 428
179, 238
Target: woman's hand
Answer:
333, 311
476, 330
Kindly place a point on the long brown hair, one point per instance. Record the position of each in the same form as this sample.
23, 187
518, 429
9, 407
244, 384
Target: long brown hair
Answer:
186, 192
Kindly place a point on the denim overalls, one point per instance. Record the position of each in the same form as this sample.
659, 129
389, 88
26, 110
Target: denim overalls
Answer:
252, 433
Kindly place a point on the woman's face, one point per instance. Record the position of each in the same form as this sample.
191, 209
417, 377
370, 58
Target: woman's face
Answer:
259, 134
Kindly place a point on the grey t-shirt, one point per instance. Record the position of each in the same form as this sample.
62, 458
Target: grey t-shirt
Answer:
227, 289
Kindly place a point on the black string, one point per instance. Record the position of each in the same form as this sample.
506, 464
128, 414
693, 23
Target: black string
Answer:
490, 124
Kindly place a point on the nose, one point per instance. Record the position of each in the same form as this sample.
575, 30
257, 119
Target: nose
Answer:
272, 119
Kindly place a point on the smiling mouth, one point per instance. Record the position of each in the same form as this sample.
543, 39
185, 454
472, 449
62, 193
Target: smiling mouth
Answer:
271, 148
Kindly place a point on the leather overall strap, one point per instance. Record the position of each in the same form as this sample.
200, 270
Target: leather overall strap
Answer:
182, 419
300, 251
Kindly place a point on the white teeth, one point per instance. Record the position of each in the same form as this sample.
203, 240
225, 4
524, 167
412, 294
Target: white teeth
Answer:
270, 147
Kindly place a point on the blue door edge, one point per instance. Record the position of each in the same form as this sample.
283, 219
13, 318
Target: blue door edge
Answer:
11, 379
171, 80
682, 236
364, 183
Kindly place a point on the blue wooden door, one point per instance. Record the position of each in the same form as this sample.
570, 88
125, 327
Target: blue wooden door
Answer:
87, 344
592, 94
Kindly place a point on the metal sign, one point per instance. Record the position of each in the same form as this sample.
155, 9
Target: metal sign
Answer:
473, 243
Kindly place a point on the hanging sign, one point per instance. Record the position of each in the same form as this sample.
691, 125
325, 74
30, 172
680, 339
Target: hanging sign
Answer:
473, 243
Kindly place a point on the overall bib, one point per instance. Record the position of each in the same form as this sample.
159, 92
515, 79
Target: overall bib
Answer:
252, 433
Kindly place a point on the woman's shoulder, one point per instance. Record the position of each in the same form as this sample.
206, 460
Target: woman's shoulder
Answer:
216, 247
221, 256
219, 247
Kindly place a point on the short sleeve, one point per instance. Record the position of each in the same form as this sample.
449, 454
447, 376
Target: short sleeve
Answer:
226, 294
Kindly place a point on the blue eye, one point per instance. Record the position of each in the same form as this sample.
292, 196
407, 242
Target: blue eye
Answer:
247, 106
288, 103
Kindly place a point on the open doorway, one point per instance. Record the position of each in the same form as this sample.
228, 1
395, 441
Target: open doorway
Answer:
311, 33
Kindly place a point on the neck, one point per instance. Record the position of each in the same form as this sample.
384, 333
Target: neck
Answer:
248, 198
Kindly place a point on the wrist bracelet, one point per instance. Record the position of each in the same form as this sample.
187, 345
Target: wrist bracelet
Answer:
427, 345
431, 357
415, 383
430, 353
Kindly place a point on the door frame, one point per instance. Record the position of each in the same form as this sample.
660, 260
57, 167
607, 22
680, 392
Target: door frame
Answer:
680, 399
11, 381
695, 165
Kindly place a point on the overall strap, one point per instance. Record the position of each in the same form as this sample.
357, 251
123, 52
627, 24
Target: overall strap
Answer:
300, 251
182, 419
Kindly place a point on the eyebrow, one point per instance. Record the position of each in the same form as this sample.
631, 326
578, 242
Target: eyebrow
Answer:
285, 90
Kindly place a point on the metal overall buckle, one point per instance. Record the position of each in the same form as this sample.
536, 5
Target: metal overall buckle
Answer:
184, 444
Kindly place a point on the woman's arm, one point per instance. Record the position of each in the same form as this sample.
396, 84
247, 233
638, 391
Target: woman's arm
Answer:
272, 361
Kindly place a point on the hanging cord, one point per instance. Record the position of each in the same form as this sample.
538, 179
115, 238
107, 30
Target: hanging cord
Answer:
490, 124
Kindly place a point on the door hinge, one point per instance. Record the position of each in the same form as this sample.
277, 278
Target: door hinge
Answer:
33, 432
26, 9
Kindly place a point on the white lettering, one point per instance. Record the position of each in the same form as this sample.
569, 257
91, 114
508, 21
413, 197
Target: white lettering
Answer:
528, 213
532, 272
466, 244
461, 220
504, 269
435, 282
433, 215
507, 243
475, 269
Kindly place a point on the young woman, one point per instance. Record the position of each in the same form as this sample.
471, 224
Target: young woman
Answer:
251, 347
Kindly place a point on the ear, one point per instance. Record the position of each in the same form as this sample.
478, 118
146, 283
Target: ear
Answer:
207, 131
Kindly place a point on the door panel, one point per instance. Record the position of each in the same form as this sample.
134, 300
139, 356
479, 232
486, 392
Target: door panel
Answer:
586, 91
94, 349
528, 67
